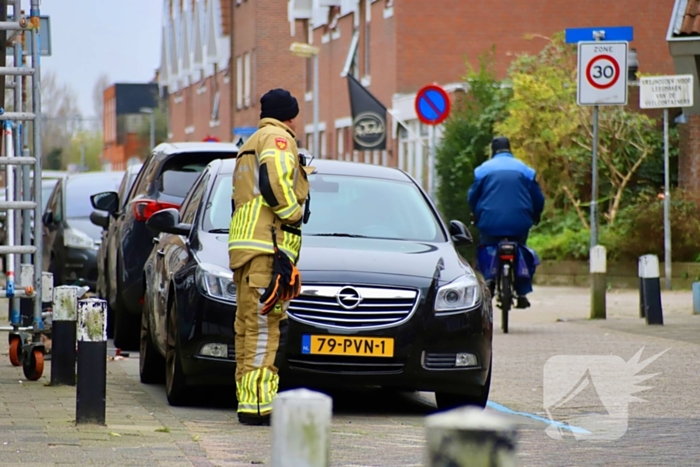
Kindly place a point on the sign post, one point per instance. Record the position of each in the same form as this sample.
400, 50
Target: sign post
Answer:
664, 92
602, 80
432, 107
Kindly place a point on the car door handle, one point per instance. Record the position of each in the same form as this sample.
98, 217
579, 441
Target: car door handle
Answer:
161, 252
155, 240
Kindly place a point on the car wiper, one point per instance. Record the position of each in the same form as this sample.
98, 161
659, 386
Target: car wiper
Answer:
336, 234
218, 231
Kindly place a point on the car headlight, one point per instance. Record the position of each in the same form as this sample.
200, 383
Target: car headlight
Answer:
77, 239
460, 294
216, 282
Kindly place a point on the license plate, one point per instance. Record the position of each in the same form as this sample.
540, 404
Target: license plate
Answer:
347, 345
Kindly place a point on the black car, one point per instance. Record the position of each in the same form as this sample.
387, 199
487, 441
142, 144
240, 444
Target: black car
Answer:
386, 299
70, 239
162, 182
106, 251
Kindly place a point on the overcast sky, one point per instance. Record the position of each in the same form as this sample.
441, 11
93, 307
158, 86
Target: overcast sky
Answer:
90, 37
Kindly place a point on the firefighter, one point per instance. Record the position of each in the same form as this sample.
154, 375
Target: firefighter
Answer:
271, 188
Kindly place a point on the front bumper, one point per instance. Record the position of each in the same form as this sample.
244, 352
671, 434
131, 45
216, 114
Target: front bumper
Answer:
425, 349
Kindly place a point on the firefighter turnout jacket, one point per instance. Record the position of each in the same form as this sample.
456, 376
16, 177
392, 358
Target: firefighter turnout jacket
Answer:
270, 188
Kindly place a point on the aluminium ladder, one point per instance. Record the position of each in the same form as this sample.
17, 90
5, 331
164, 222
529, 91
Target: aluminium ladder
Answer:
26, 346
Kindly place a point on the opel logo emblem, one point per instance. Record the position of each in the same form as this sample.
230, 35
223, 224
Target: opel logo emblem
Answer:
348, 298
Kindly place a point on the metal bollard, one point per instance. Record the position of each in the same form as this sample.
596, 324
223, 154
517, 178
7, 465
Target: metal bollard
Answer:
651, 289
472, 437
598, 269
301, 429
92, 361
696, 298
64, 330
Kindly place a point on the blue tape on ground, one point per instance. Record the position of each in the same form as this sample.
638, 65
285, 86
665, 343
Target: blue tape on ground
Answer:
564, 426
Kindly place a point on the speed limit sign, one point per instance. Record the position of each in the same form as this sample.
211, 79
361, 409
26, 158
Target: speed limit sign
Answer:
602, 73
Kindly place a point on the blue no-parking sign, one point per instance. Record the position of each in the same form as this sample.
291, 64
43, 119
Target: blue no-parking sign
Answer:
432, 104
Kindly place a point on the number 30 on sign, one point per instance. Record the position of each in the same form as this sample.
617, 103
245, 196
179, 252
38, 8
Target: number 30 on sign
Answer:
602, 73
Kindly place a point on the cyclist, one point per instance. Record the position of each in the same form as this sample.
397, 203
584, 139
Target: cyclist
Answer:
506, 202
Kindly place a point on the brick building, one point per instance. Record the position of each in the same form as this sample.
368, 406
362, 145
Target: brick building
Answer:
215, 78
397, 46
123, 119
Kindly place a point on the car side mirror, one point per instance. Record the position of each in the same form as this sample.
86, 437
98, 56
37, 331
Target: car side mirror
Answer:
100, 219
168, 221
105, 201
460, 234
47, 218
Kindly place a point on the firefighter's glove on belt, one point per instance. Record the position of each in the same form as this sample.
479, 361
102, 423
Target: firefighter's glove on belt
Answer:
285, 284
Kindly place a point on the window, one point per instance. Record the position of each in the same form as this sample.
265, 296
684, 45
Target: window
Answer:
246, 80
339, 133
81, 187
345, 204
351, 58
189, 206
310, 74
310, 143
322, 143
239, 82
215, 108
368, 9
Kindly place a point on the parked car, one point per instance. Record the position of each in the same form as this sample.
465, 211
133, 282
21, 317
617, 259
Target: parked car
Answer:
70, 240
106, 250
386, 299
163, 182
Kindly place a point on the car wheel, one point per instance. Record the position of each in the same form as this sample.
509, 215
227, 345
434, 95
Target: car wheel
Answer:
175, 388
151, 363
447, 401
126, 330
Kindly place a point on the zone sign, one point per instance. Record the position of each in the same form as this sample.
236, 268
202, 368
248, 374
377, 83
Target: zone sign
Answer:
602, 73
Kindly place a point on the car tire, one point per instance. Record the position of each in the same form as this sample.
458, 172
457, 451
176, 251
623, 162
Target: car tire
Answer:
126, 330
176, 389
448, 401
151, 363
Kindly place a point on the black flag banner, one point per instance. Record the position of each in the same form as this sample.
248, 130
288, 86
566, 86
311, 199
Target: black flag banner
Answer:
368, 118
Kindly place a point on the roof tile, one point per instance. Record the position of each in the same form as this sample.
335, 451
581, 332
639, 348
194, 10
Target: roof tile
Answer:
691, 19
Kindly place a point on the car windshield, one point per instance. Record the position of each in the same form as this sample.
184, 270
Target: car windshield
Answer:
344, 205
80, 189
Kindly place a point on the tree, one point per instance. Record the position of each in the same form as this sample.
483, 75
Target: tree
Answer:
54, 159
98, 90
91, 143
60, 113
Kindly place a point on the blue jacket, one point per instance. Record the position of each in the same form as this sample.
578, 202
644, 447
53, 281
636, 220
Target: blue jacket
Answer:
505, 198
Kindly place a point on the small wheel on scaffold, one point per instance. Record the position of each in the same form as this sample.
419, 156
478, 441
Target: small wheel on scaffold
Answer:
33, 364
16, 351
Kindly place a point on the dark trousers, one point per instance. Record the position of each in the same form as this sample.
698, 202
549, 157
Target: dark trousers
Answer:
522, 285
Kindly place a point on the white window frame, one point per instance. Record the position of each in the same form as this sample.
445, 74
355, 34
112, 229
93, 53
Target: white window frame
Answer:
247, 84
352, 51
339, 143
215, 107
239, 82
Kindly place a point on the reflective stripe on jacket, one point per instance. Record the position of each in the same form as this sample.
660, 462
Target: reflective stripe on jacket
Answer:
270, 188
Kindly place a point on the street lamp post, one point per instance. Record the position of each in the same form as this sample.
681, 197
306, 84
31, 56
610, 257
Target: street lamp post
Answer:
151, 112
303, 50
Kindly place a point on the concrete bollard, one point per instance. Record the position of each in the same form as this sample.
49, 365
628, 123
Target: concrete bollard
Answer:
301, 429
651, 289
696, 298
470, 436
598, 269
64, 330
92, 361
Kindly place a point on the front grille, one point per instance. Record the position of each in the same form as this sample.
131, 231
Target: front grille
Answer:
439, 361
346, 365
353, 307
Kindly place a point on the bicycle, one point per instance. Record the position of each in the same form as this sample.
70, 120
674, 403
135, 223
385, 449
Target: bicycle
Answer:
504, 281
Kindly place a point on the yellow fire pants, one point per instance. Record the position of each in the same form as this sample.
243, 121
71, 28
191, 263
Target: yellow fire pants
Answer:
259, 339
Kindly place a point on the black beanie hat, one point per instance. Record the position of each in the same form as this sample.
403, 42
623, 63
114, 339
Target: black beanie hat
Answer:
278, 104
500, 144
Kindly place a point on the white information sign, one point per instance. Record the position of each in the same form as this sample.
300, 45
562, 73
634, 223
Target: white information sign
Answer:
666, 92
602, 73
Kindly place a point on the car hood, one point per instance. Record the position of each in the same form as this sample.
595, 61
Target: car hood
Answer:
359, 255
83, 224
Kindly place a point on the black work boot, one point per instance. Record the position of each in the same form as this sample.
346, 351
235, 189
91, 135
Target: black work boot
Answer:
523, 303
253, 419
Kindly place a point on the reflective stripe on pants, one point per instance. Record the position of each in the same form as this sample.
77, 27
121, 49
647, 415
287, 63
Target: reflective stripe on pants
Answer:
259, 339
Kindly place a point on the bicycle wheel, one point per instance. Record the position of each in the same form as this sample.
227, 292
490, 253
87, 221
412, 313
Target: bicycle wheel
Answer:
506, 297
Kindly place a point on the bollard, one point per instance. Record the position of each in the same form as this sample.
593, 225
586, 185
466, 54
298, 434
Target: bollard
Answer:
651, 289
301, 429
63, 330
598, 269
92, 361
696, 298
470, 436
